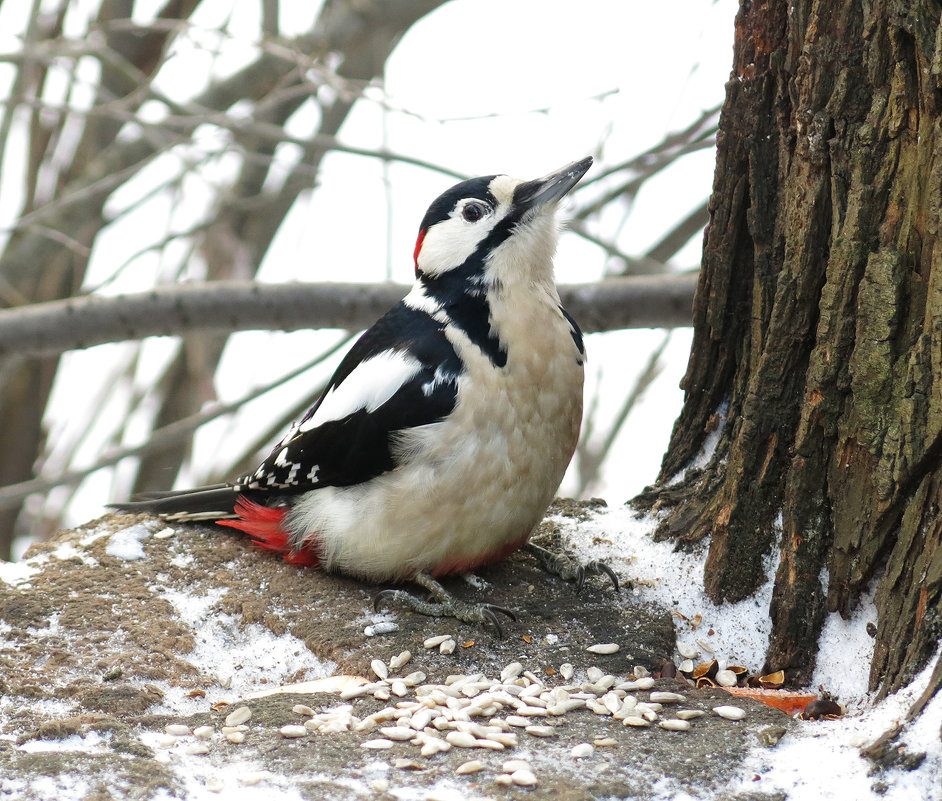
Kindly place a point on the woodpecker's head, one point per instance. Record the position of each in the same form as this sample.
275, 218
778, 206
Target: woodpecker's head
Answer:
493, 230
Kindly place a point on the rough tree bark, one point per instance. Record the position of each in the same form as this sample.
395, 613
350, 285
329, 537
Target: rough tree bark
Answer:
818, 330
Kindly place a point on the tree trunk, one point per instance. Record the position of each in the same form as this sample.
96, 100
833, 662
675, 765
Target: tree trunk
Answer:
818, 330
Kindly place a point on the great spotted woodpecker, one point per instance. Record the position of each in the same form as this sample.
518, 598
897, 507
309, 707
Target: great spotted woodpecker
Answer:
445, 432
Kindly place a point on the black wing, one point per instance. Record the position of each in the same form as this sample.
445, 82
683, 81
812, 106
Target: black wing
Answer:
402, 373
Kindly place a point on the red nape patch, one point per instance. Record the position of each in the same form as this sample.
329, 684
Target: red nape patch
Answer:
264, 525
418, 248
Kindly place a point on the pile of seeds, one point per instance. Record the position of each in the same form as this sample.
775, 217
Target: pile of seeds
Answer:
477, 712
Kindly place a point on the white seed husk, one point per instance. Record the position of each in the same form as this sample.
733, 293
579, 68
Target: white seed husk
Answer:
238, 716
686, 666
604, 648
447, 647
401, 659
379, 744
566, 671
725, 678
675, 724
177, 729
511, 672
593, 674
582, 750
461, 739
383, 627
730, 712
663, 697
399, 733
414, 678
379, 668
541, 731
523, 778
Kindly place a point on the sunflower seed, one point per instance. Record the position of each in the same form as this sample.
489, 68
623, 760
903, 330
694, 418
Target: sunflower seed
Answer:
605, 742
541, 731
667, 697
292, 730
378, 666
399, 733
523, 778
203, 732
582, 750
730, 712
383, 627
604, 648
462, 739
238, 716
177, 729
196, 749
689, 714
511, 672
448, 646
380, 744
398, 661
414, 678
675, 724
469, 767
634, 720
566, 670
438, 639
725, 678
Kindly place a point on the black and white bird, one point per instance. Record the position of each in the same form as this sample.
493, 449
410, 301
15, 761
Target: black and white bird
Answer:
446, 430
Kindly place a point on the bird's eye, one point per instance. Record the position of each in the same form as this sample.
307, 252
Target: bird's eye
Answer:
472, 212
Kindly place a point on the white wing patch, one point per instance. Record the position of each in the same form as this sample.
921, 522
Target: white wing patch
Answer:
371, 383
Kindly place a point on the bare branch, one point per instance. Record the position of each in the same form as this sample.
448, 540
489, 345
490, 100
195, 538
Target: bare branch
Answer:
662, 301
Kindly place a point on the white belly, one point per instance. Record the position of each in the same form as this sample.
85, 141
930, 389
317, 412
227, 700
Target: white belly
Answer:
471, 486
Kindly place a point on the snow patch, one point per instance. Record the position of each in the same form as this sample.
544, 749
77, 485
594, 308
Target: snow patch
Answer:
659, 573
241, 657
126, 543
845, 649
822, 762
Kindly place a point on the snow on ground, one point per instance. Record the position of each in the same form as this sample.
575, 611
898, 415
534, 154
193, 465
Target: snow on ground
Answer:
821, 761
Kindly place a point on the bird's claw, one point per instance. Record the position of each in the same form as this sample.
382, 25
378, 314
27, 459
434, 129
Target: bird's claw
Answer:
444, 605
568, 569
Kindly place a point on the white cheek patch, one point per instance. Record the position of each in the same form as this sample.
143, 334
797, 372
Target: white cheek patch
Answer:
373, 382
448, 244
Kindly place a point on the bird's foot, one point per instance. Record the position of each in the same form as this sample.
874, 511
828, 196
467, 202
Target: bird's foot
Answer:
444, 605
567, 568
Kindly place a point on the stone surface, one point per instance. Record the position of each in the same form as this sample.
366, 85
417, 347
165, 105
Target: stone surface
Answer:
101, 652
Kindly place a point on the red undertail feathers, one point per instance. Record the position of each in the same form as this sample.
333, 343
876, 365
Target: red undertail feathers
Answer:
264, 524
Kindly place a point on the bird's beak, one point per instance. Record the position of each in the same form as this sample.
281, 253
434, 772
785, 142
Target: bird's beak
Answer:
550, 188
